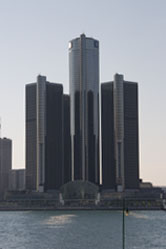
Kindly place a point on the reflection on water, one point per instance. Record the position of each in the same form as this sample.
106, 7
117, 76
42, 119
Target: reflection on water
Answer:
59, 220
82, 230
138, 215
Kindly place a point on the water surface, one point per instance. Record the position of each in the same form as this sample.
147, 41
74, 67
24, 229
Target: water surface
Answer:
82, 230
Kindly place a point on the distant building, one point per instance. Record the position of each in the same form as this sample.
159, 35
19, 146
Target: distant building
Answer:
44, 135
17, 180
120, 145
84, 106
5, 164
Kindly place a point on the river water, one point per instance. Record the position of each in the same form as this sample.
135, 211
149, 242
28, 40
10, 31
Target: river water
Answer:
82, 230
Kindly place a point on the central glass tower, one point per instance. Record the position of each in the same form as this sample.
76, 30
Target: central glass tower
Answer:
84, 99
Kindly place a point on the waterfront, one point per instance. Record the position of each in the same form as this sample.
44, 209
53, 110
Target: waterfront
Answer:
82, 229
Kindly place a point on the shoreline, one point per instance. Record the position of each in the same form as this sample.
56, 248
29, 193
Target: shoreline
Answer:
79, 209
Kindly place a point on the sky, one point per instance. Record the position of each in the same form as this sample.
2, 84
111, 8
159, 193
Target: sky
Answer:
34, 36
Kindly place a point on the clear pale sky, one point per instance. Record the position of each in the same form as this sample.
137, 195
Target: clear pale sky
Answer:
34, 37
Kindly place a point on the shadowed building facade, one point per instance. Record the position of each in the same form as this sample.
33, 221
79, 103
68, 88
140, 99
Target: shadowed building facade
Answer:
67, 138
17, 180
120, 145
107, 126
44, 135
5, 164
84, 106
31, 137
131, 135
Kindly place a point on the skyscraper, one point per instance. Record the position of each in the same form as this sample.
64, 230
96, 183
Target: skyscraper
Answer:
5, 164
84, 96
120, 148
44, 135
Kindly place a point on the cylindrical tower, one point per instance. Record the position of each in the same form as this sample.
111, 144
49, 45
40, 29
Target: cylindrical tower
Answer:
84, 96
